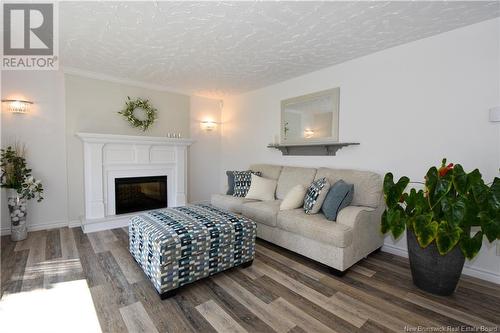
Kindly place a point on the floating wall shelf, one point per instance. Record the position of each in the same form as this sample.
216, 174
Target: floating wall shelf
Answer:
311, 149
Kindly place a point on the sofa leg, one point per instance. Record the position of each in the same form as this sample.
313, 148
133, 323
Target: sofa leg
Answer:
247, 264
336, 272
378, 250
168, 294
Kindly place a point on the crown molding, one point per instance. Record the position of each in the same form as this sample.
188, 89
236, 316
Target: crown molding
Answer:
110, 78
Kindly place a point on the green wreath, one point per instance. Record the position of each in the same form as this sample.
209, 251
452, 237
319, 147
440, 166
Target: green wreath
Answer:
149, 112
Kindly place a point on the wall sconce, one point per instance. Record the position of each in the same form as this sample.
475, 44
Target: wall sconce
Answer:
17, 105
208, 125
308, 133
495, 114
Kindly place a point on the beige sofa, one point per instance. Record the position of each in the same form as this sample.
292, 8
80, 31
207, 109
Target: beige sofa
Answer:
339, 244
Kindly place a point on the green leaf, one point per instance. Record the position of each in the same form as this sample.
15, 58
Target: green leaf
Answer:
481, 194
490, 226
471, 213
385, 227
394, 191
447, 237
454, 210
396, 222
459, 179
474, 178
495, 194
425, 229
431, 179
416, 203
443, 186
470, 246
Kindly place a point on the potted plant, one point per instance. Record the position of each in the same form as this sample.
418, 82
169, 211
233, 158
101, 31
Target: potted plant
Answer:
21, 187
445, 222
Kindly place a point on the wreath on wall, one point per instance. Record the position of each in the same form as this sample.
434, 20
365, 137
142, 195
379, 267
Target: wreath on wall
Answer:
133, 106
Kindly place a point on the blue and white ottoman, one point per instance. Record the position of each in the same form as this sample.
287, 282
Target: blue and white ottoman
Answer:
177, 246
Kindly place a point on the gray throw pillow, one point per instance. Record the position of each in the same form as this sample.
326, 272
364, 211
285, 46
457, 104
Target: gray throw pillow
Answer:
230, 182
339, 197
315, 195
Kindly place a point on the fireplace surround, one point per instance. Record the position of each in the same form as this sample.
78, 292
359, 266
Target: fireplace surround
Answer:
108, 157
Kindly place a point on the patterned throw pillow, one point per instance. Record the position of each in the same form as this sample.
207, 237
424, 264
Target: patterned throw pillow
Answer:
315, 195
242, 181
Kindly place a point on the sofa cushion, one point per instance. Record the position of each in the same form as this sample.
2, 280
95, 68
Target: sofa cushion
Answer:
315, 227
261, 188
242, 182
267, 170
294, 198
367, 185
262, 211
315, 195
339, 196
229, 202
292, 176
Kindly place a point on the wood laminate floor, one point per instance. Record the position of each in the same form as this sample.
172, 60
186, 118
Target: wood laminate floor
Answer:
281, 292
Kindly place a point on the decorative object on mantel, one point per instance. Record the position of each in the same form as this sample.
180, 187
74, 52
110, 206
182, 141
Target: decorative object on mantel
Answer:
311, 149
133, 105
495, 114
17, 105
440, 220
21, 187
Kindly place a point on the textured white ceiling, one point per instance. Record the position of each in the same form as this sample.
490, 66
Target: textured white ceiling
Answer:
216, 48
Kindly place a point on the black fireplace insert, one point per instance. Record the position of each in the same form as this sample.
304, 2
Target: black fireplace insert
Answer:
140, 193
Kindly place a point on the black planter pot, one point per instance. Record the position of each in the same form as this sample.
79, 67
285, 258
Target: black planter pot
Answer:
431, 271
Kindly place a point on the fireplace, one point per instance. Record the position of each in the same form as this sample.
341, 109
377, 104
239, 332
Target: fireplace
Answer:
134, 194
107, 157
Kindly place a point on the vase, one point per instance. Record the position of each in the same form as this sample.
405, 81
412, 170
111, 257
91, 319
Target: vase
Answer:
18, 212
431, 271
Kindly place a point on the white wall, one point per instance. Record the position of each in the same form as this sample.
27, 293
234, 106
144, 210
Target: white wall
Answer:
42, 130
205, 154
408, 106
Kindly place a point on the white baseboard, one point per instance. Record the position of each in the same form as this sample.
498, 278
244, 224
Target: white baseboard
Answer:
74, 223
396, 250
38, 227
468, 270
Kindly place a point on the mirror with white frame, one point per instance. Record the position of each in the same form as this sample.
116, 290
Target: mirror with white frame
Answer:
312, 118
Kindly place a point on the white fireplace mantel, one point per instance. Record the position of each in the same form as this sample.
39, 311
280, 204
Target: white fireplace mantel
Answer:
110, 156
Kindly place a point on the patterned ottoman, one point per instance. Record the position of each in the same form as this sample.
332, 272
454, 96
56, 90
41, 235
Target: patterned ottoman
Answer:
177, 246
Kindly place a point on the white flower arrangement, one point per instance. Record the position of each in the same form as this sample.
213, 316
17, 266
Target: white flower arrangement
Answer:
32, 188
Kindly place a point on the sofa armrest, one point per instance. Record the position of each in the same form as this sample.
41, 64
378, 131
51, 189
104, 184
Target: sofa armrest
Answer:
366, 235
351, 216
